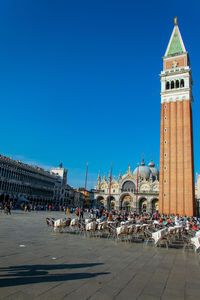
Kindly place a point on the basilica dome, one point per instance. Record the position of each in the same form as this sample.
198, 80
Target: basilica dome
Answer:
154, 170
143, 171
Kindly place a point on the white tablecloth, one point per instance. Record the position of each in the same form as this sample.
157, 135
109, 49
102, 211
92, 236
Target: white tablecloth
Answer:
58, 222
196, 242
158, 235
197, 234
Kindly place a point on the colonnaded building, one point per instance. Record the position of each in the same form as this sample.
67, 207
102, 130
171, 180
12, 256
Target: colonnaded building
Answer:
133, 191
20, 181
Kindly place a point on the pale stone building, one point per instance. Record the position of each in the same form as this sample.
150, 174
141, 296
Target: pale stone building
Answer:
22, 181
134, 191
61, 174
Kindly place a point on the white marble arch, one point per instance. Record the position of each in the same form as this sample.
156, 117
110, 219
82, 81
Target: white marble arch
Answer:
110, 200
154, 202
123, 195
143, 203
128, 178
100, 201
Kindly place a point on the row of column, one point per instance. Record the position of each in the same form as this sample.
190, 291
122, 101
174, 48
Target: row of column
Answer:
21, 176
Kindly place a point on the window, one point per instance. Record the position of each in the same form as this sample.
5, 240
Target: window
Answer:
165, 118
172, 85
165, 181
164, 195
177, 84
165, 106
165, 129
182, 83
165, 142
165, 154
165, 168
128, 186
167, 85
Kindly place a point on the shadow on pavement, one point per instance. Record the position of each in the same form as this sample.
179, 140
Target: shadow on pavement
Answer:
28, 274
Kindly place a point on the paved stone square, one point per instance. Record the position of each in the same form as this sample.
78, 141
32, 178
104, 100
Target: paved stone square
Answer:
36, 263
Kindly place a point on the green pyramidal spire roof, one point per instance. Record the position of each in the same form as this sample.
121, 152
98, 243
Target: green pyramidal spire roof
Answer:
175, 45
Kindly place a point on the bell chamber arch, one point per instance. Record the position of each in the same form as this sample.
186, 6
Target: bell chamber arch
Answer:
128, 186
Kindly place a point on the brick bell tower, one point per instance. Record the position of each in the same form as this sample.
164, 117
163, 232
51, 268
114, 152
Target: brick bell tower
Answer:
176, 180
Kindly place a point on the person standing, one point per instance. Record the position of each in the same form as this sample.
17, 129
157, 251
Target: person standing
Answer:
82, 212
9, 208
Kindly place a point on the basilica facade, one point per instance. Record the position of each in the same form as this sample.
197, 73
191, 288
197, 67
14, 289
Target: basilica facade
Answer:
136, 191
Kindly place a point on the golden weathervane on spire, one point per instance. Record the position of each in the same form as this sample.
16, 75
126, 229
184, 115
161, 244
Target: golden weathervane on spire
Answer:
175, 21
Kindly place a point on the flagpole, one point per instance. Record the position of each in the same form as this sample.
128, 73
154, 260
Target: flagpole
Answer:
86, 180
110, 185
84, 190
86, 176
137, 184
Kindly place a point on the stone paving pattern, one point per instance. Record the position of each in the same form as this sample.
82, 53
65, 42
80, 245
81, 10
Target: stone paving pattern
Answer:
65, 266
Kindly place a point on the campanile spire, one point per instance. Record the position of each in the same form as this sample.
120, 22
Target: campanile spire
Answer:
176, 184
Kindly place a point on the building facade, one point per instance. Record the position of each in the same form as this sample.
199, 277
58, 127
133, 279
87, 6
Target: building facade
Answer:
87, 196
22, 181
65, 195
61, 174
176, 190
136, 191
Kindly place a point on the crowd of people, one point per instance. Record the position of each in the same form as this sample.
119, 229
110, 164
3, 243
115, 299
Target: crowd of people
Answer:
111, 215
138, 218
141, 218
7, 206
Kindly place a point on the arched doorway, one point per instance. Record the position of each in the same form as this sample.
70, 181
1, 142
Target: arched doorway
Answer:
126, 202
126, 206
110, 202
154, 205
100, 202
143, 205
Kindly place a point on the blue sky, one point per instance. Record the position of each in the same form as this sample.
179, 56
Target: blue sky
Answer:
79, 81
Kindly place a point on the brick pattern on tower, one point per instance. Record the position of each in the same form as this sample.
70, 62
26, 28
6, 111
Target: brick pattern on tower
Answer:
176, 184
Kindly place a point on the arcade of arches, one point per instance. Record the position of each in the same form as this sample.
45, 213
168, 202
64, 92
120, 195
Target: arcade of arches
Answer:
126, 202
22, 181
134, 191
